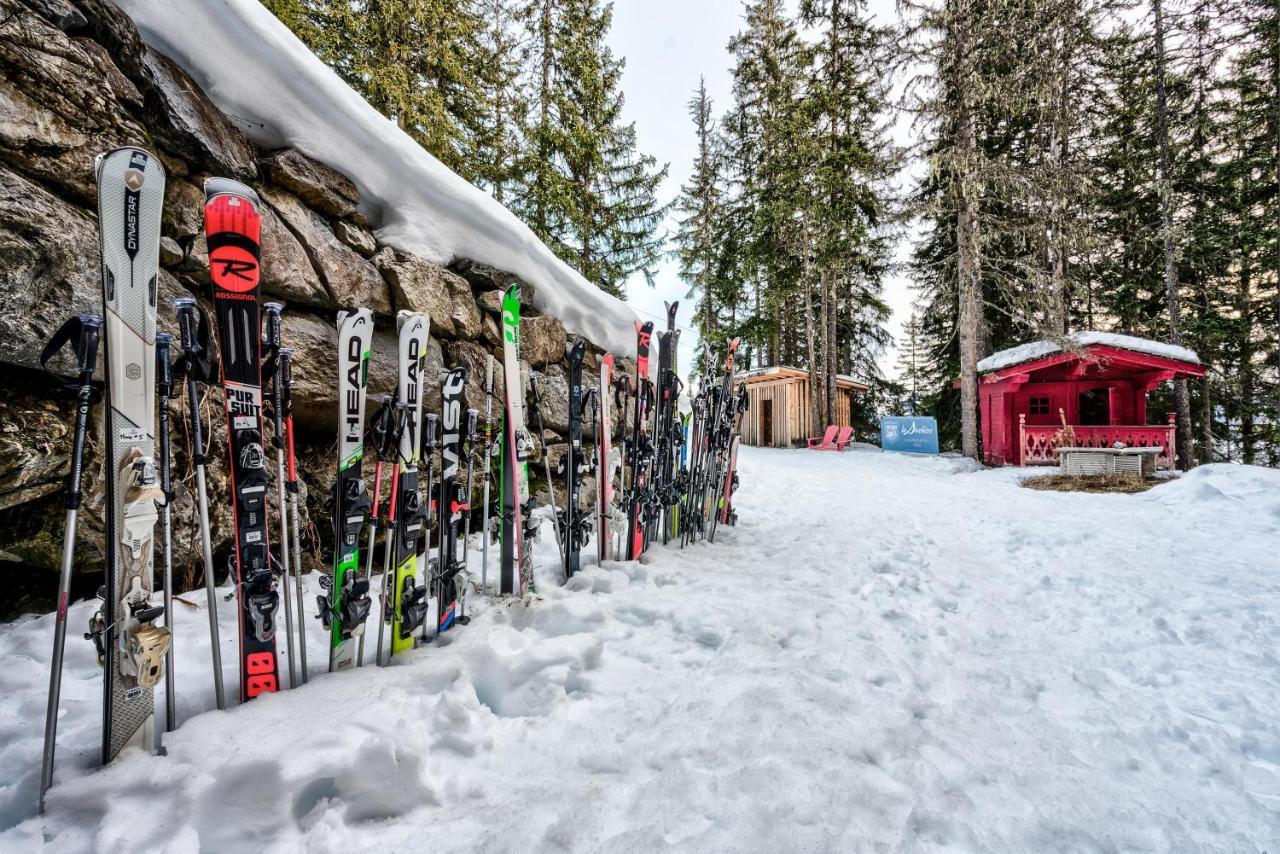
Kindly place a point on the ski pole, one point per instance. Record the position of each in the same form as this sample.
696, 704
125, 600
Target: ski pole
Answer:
488, 453
429, 451
473, 416
164, 388
196, 367
285, 369
271, 324
388, 589
88, 329
381, 430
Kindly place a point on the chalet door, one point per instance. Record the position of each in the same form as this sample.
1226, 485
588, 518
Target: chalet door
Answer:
1095, 407
766, 423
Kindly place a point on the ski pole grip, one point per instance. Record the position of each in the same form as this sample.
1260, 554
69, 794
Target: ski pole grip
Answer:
90, 336
185, 307
272, 312
429, 431
285, 367
164, 365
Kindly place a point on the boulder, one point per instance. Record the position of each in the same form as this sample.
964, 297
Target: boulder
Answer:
59, 13
322, 188
315, 370
483, 277
171, 254
490, 301
542, 340
419, 285
56, 114
48, 267
286, 266
473, 357
553, 393
356, 237
183, 216
350, 280
185, 122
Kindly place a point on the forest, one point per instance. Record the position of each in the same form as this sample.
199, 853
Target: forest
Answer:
1031, 167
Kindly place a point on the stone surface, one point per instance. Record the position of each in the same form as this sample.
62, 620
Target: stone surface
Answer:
171, 254
56, 114
356, 237
350, 280
542, 340
286, 267
59, 13
48, 267
483, 277
183, 216
316, 184
419, 285
189, 125
490, 301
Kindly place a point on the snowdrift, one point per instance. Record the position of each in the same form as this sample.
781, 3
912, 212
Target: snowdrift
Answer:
280, 94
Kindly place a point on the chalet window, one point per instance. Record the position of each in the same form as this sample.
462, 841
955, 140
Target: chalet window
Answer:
1039, 406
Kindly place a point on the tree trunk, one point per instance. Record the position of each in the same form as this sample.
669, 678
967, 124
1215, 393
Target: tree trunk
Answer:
1181, 400
969, 286
815, 402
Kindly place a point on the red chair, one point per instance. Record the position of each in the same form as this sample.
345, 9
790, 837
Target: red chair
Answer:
845, 437
825, 442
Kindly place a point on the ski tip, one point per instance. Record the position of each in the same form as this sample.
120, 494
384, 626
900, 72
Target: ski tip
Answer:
214, 187
412, 321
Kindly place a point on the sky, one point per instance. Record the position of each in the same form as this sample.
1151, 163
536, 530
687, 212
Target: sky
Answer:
667, 45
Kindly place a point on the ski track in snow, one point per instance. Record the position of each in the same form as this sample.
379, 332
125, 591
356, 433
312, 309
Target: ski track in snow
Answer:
888, 653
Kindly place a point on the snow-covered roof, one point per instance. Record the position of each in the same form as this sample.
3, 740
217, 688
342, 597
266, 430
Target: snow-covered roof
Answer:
262, 76
1039, 349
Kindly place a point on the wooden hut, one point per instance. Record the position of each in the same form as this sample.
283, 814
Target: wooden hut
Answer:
1099, 388
780, 408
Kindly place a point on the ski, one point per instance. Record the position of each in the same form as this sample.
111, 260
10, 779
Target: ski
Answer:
488, 458
515, 561
232, 230
408, 598
604, 469
637, 449
457, 439
346, 606
273, 389
574, 526
131, 646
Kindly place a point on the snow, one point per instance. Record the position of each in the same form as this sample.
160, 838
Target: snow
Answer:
890, 652
1039, 349
258, 73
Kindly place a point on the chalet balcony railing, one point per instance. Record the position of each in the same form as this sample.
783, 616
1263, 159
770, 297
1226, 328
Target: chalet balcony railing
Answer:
1037, 444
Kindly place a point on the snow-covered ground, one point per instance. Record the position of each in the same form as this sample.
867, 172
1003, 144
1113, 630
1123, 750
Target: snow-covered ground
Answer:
888, 653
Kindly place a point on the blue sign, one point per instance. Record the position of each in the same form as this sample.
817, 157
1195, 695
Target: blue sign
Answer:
910, 434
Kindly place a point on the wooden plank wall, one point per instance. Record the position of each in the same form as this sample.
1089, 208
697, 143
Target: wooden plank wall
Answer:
791, 412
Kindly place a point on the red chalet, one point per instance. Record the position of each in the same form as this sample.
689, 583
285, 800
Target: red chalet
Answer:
1028, 393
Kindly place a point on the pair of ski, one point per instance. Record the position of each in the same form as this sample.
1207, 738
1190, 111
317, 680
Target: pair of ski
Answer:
716, 432
401, 436
132, 644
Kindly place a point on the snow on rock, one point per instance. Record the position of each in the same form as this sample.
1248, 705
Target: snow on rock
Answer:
889, 652
280, 94
1038, 349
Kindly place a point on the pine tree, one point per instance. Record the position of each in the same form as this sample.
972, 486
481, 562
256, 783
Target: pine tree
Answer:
699, 208
911, 362
587, 190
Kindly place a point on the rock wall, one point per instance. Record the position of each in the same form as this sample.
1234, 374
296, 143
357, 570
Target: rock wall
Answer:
76, 80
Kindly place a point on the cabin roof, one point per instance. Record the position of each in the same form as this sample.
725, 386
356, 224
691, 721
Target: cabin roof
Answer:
1035, 350
777, 372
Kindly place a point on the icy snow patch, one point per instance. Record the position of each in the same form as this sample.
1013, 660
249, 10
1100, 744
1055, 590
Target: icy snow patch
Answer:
280, 94
1039, 349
